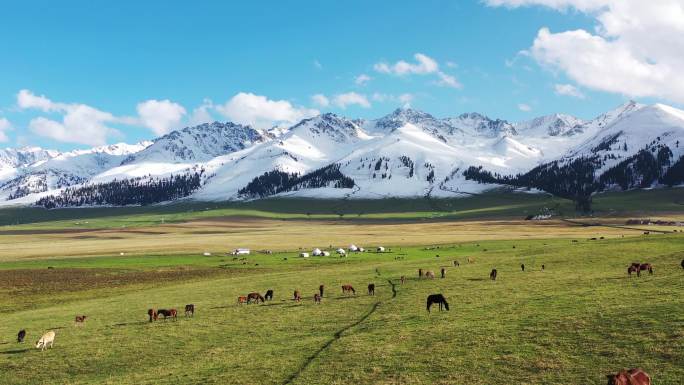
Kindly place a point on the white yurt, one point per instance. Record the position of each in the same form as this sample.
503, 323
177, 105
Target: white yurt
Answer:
304, 255
316, 252
381, 249
353, 248
326, 254
341, 251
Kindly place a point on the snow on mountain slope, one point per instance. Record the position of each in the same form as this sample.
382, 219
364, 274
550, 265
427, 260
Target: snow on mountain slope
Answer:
551, 125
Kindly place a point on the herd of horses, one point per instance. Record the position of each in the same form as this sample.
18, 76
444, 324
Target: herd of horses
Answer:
154, 314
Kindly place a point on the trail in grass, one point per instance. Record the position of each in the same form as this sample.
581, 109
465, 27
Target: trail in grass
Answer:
338, 335
596, 224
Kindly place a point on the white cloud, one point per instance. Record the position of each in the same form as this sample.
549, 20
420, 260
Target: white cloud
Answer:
202, 114
568, 90
320, 100
160, 115
5, 125
424, 65
635, 48
261, 112
362, 79
404, 99
351, 98
524, 107
80, 123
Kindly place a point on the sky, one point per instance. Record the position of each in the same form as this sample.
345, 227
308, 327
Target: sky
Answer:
89, 73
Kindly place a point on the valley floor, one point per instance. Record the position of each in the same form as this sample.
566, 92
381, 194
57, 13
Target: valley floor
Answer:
572, 323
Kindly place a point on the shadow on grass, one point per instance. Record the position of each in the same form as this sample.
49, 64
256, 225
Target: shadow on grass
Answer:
132, 323
16, 351
477, 279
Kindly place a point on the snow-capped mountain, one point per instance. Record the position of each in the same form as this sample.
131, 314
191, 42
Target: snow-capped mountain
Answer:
406, 153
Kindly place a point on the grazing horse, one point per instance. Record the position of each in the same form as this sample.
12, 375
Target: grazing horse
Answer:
456, 263
439, 299
297, 296
269, 295
153, 314
492, 275
80, 320
21, 335
420, 273
443, 271
629, 377
543, 267
371, 289
646, 266
173, 313
346, 289
471, 260
317, 298
190, 310
47, 339
522, 266
682, 263
633, 269
320, 290
403, 279
429, 274
242, 299
254, 296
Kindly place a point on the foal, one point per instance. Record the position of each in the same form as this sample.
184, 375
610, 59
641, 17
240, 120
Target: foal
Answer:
317, 298
348, 289
629, 377
190, 310
297, 296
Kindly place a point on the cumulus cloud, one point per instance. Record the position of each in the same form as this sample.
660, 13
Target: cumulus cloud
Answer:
5, 126
362, 79
351, 98
424, 65
202, 114
160, 115
405, 98
568, 90
635, 48
524, 107
320, 100
261, 112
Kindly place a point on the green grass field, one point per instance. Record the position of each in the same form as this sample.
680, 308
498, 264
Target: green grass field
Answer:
573, 323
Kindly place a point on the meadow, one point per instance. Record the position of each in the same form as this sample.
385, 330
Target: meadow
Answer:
574, 322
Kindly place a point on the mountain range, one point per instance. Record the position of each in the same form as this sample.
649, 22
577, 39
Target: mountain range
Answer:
408, 153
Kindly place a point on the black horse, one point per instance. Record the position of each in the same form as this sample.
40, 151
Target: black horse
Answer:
682, 263
522, 267
492, 275
320, 290
439, 299
371, 289
269, 295
21, 336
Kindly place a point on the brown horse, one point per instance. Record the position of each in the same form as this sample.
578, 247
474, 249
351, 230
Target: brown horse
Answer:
420, 273
80, 320
297, 296
190, 310
429, 274
403, 279
371, 289
317, 298
646, 266
242, 299
254, 297
346, 289
443, 272
629, 377
173, 313
153, 314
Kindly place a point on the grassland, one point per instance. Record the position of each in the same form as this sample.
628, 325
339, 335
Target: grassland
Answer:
572, 323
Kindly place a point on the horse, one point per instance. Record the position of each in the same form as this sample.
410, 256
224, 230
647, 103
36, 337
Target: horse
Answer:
443, 271
317, 298
471, 260
439, 299
522, 266
254, 296
682, 263
269, 295
297, 296
153, 314
47, 339
371, 289
456, 263
492, 275
190, 310
242, 299
543, 267
634, 376
173, 313
21, 335
633, 269
320, 290
80, 320
346, 289
403, 279
429, 274
646, 266
420, 273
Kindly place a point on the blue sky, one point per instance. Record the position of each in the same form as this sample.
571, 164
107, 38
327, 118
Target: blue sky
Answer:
238, 59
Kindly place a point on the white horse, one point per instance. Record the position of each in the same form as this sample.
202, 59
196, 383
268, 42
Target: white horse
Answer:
47, 338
